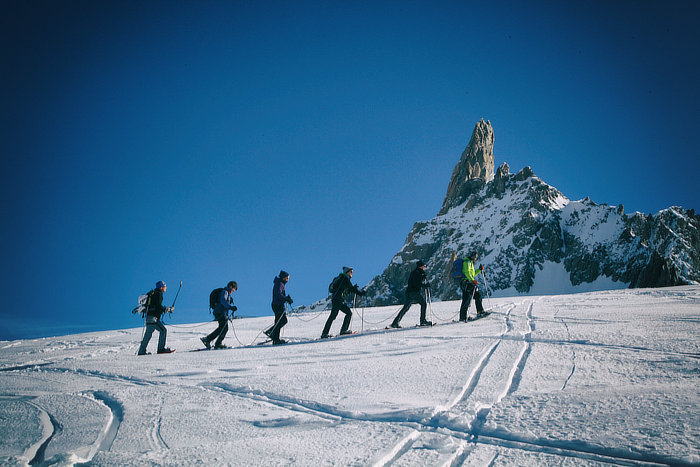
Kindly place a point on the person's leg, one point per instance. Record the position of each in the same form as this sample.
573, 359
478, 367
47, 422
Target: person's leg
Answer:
223, 329
215, 333
163, 333
348, 318
334, 312
150, 327
280, 321
406, 306
466, 299
477, 300
423, 307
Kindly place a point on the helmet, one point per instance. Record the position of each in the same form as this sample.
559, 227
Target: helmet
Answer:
160, 285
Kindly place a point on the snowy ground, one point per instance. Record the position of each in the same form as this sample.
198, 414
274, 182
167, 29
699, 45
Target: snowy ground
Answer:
597, 378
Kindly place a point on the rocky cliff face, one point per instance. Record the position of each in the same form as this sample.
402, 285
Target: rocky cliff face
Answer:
476, 164
532, 239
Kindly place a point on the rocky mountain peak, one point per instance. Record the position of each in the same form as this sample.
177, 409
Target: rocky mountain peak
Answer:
476, 163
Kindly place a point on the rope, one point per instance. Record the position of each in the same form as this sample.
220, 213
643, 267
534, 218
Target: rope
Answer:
435, 315
380, 322
233, 328
296, 315
446, 320
188, 326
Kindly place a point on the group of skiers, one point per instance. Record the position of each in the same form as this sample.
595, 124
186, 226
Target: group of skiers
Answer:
463, 271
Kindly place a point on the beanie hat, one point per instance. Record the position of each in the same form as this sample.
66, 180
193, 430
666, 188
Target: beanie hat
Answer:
283, 274
346, 269
473, 255
420, 264
160, 285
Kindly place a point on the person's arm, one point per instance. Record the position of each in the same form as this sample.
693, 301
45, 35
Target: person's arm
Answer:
226, 300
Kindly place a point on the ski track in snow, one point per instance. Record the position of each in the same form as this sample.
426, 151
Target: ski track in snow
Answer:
105, 376
573, 352
50, 427
462, 419
109, 433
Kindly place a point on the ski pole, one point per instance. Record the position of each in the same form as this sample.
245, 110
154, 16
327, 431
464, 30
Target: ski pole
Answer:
176, 295
427, 299
354, 305
486, 286
362, 315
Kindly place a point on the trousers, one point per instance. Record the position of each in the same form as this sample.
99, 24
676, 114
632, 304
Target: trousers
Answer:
337, 305
153, 324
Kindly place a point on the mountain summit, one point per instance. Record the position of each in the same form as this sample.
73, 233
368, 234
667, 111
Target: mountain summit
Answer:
476, 163
534, 240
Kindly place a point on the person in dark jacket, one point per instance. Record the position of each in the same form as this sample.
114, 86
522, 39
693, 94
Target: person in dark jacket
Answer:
342, 286
279, 298
223, 305
417, 281
153, 323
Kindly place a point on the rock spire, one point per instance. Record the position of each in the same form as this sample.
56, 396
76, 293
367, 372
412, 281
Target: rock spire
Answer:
476, 163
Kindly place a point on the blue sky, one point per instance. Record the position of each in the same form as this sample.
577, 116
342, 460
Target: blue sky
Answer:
212, 141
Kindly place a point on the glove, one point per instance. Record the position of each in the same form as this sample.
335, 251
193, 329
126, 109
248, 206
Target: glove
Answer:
481, 267
476, 282
289, 300
234, 308
170, 309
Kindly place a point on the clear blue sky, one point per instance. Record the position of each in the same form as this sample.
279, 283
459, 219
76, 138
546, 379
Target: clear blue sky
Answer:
209, 141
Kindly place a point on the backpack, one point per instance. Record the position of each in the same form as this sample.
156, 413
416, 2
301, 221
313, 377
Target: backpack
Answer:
143, 302
334, 283
214, 297
457, 269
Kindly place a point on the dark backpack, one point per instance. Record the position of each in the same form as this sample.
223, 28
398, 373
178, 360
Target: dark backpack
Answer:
214, 297
334, 283
144, 302
457, 269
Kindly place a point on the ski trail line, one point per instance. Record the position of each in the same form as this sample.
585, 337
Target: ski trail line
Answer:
157, 437
109, 433
399, 450
459, 456
573, 352
517, 370
472, 381
50, 428
578, 450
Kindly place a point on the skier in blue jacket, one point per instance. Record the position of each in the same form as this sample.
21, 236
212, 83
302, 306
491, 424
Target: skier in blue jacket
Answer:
223, 305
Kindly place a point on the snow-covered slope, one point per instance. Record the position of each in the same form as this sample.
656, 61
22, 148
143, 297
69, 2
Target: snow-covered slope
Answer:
588, 379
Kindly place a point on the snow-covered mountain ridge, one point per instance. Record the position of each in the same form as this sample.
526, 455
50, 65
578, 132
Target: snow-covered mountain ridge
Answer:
533, 239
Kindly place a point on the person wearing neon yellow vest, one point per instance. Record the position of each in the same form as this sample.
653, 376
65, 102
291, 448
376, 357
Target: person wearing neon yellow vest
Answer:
470, 287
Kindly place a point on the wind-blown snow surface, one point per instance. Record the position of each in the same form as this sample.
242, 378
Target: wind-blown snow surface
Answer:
588, 379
